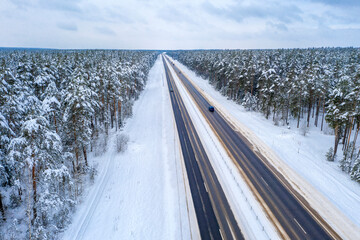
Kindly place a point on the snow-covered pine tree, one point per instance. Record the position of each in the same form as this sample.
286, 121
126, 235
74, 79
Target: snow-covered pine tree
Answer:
51, 105
78, 103
5, 136
355, 171
45, 75
13, 96
113, 90
354, 108
336, 109
25, 71
34, 155
4, 128
101, 76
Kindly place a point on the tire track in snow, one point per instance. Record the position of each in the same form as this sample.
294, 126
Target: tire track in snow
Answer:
96, 194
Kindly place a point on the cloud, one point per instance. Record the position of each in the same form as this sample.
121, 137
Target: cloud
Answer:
277, 26
118, 15
261, 10
61, 5
67, 26
22, 4
105, 31
172, 14
339, 3
179, 24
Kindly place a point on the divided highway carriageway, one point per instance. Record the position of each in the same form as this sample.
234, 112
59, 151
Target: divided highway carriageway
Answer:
214, 215
290, 213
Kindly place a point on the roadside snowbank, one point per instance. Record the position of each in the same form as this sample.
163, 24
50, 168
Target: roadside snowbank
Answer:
304, 158
139, 194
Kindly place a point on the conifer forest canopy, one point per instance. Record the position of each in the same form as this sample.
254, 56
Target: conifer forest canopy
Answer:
54, 105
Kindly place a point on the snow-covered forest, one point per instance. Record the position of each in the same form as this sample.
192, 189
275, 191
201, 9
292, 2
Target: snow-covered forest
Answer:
54, 107
317, 84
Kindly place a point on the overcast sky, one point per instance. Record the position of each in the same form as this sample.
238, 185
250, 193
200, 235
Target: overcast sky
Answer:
179, 24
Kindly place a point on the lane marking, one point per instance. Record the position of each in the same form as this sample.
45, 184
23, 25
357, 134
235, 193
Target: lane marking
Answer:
231, 230
206, 187
300, 226
222, 237
265, 181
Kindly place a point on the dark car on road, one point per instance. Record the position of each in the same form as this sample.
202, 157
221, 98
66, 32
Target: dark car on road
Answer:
211, 109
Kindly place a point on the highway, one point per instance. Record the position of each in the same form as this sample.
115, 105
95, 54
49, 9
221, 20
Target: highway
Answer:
214, 215
290, 213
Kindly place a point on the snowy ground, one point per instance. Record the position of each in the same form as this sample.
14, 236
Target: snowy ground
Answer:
304, 158
139, 194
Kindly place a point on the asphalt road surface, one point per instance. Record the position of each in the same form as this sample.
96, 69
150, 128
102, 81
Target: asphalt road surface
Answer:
214, 215
291, 214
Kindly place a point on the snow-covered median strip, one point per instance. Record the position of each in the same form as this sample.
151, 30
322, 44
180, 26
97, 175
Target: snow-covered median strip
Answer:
247, 211
301, 160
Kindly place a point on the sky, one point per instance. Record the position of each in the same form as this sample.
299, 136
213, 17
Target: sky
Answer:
179, 24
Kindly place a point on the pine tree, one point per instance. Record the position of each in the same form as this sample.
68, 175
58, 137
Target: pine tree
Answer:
337, 108
33, 155
79, 102
6, 135
45, 76
5, 131
355, 171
